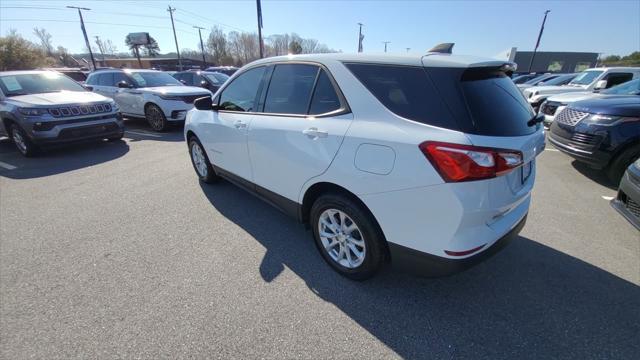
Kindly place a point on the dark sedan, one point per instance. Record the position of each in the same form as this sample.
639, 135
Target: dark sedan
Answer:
604, 133
206, 79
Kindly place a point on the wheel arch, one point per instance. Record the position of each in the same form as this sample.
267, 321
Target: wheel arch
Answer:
318, 189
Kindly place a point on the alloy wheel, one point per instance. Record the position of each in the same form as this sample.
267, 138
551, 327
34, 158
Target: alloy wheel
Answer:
199, 160
19, 141
341, 238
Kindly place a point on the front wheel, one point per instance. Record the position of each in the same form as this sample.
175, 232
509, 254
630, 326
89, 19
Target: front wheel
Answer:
201, 163
619, 165
156, 118
347, 236
22, 142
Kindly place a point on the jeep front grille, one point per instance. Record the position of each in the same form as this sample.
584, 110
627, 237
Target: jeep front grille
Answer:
76, 110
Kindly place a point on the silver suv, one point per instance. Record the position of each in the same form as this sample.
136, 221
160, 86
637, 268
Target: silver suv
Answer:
44, 108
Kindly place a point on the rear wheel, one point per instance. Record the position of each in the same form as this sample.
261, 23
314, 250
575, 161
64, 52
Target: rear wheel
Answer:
347, 236
201, 163
156, 118
24, 145
620, 163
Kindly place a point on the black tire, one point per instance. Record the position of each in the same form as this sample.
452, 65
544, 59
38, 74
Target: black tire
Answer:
155, 117
374, 252
25, 146
210, 176
620, 163
116, 138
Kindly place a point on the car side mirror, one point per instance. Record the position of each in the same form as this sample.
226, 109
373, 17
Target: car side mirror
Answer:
88, 87
205, 104
124, 85
601, 84
204, 84
183, 82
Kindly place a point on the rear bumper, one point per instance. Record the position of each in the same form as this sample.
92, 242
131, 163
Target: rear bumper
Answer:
428, 265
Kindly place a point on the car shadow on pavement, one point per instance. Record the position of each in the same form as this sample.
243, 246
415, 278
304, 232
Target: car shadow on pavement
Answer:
528, 301
139, 130
598, 176
58, 160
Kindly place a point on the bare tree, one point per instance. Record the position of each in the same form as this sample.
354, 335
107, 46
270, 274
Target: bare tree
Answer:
45, 40
309, 45
217, 45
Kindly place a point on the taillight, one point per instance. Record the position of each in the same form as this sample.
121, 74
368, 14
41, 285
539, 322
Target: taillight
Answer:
456, 162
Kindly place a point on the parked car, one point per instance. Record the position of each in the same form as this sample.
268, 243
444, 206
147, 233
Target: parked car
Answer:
589, 80
76, 74
41, 108
627, 202
521, 79
536, 80
206, 79
426, 161
554, 104
227, 70
604, 133
555, 79
150, 94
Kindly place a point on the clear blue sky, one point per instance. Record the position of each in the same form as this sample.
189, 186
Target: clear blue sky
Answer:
483, 28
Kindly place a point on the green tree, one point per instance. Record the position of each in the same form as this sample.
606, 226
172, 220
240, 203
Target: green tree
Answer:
17, 53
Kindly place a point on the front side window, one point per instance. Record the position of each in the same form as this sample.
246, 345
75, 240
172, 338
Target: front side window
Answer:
614, 79
290, 89
240, 95
324, 98
118, 78
105, 79
217, 78
627, 88
37, 83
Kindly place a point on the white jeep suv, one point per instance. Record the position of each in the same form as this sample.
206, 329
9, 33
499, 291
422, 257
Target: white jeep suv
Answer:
425, 161
595, 79
151, 94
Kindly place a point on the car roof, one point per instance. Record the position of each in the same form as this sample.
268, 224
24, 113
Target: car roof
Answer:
614, 68
430, 59
23, 72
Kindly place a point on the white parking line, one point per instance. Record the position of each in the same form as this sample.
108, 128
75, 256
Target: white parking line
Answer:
7, 166
608, 198
143, 133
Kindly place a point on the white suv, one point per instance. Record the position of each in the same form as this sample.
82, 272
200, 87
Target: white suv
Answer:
424, 161
151, 94
595, 79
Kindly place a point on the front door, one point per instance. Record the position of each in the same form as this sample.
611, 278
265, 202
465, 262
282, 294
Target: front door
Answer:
299, 131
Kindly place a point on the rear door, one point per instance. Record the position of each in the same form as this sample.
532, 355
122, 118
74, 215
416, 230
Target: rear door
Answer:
299, 130
127, 99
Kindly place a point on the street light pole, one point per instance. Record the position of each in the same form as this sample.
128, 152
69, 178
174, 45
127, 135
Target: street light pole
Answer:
260, 42
84, 32
204, 60
360, 37
385, 45
175, 37
533, 56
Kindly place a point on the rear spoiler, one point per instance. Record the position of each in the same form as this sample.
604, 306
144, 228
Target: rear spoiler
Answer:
444, 48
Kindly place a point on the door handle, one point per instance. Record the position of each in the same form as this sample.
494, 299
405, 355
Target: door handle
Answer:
240, 125
315, 133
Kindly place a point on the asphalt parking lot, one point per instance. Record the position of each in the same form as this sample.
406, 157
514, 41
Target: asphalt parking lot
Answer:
116, 250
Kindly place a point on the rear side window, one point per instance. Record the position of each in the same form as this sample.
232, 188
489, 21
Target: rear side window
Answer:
240, 95
406, 91
290, 89
324, 98
614, 79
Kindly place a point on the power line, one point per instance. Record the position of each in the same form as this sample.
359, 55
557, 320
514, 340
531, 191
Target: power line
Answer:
211, 20
104, 23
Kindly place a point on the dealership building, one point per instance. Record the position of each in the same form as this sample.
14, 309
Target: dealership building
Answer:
551, 61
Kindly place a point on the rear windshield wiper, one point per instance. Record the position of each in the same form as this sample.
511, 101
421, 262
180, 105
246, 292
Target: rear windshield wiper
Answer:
538, 118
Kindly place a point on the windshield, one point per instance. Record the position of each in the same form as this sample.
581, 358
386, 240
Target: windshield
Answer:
217, 78
585, 78
629, 88
37, 83
560, 80
152, 79
540, 79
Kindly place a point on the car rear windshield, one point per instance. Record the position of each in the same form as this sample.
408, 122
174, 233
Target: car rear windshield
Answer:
481, 101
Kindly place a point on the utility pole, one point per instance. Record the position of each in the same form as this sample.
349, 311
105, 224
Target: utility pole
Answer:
260, 43
84, 32
533, 56
408, 49
385, 45
204, 60
175, 37
99, 43
360, 38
